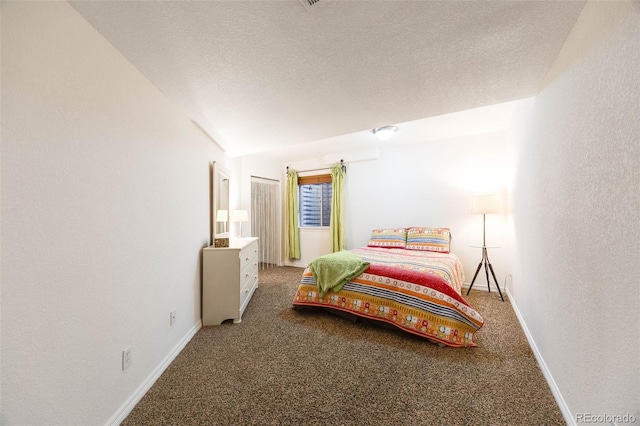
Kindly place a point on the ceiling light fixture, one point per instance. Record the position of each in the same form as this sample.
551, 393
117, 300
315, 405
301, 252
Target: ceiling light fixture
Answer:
385, 132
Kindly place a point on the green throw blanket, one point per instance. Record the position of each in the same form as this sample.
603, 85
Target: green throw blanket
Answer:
333, 271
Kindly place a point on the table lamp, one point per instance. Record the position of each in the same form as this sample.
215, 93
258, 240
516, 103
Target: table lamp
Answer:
239, 216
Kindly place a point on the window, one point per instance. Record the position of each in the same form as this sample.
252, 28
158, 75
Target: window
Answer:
314, 195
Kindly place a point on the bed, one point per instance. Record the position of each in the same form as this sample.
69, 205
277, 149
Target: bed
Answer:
408, 278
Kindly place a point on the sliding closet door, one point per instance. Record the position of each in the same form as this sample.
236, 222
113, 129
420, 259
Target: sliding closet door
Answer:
265, 219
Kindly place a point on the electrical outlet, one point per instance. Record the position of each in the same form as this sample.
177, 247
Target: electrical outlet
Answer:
126, 358
172, 317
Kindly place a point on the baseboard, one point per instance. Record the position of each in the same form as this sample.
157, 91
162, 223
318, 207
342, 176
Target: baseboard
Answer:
296, 265
482, 287
131, 402
564, 409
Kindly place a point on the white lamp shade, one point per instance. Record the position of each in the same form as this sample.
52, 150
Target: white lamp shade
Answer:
239, 216
485, 204
222, 215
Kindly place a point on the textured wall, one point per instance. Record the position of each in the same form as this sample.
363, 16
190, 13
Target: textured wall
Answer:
105, 206
432, 184
425, 184
576, 203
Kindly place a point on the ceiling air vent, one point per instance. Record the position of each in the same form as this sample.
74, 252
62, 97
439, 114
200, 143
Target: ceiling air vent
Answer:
311, 4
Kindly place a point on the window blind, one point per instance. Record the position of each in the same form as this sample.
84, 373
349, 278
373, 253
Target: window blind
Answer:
315, 204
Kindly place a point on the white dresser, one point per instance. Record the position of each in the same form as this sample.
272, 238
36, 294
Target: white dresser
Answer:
229, 278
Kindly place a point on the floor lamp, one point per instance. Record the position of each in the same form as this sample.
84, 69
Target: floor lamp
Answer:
484, 205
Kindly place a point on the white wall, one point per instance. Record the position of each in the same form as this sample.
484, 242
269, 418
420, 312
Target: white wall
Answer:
314, 242
576, 152
432, 184
424, 184
0, 223
105, 208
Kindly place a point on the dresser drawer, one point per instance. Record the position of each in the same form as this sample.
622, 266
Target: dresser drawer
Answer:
248, 255
248, 275
247, 292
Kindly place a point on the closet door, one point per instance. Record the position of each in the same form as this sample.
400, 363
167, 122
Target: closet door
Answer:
265, 219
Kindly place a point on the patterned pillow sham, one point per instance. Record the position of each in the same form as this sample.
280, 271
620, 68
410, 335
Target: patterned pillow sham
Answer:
429, 239
388, 238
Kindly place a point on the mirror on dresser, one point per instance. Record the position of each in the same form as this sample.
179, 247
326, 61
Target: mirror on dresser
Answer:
221, 181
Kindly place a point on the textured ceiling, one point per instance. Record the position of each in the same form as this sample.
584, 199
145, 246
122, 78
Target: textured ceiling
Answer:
259, 75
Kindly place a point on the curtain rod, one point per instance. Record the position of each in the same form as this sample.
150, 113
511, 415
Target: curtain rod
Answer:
344, 168
260, 177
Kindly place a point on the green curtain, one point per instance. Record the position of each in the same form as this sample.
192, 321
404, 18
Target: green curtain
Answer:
291, 205
337, 208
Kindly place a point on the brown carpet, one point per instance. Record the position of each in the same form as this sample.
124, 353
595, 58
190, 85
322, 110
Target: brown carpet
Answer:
286, 367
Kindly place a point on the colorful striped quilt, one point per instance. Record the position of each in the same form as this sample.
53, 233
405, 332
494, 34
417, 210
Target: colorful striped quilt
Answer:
416, 291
